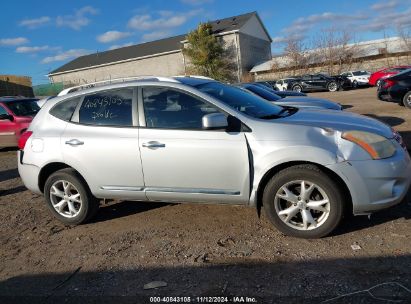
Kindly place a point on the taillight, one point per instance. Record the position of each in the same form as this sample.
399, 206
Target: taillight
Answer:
23, 139
388, 83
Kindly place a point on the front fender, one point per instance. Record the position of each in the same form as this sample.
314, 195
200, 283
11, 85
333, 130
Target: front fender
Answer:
264, 162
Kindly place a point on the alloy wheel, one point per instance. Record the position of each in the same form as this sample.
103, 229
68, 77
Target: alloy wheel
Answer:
302, 205
332, 87
65, 198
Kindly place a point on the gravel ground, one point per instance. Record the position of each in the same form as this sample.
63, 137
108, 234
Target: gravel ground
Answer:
200, 251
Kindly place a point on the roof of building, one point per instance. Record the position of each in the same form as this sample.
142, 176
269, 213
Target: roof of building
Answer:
150, 48
390, 45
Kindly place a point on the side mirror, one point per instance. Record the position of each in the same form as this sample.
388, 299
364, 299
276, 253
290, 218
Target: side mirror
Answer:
6, 117
214, 121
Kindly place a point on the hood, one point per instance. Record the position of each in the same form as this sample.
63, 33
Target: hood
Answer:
309, 102
338, 120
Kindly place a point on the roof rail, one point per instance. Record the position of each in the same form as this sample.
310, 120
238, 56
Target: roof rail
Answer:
112, 81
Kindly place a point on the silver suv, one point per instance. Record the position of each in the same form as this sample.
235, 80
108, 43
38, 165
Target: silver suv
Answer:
196, 140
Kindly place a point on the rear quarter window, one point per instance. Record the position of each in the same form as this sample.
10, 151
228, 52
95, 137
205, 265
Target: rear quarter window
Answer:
64, 110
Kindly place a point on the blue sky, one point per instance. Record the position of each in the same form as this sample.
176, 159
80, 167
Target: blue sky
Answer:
38, 36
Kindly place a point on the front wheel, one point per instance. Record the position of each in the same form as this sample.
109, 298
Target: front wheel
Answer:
355, 84
406, 100
68, 197
302, 201
332, 86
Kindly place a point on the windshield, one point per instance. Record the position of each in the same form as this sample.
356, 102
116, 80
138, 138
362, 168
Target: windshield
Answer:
242, 101
266, 94
405, 72
25, 107
360, 73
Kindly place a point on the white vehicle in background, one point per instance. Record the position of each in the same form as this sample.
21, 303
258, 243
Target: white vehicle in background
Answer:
282, 84
357, 78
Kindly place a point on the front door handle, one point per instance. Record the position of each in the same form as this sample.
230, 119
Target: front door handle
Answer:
153, 144
74, 142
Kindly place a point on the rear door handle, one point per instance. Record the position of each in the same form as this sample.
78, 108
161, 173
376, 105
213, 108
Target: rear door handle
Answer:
74, 142
153, 144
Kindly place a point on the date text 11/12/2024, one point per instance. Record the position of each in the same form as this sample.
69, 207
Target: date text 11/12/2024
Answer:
203, 299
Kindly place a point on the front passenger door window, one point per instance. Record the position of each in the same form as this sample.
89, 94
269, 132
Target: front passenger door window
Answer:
171, 109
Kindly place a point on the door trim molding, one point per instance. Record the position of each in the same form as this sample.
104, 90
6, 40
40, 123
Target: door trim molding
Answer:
172, 190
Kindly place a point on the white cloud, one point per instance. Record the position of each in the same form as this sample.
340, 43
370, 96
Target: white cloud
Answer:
307, 22
155, 35
385, 21
117, 46
13, 41
164, 20
111, 36
384, 5
32, 49
285, 39
35, 23
78, 20
196, 2
69, 54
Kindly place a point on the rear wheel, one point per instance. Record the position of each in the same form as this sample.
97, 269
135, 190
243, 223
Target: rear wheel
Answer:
332, 86
302, 201
378, 82
68, 197
406, 100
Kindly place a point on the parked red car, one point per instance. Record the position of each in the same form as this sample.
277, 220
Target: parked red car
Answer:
384, 73
16, 113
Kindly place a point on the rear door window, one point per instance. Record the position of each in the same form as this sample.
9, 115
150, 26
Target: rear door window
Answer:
109, 108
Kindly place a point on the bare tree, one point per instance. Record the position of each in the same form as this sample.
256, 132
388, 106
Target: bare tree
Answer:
295, 52
405, 34
333, 48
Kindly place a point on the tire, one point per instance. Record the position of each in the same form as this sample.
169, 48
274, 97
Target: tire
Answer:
332, 86
406, 100
68, 189
318, 223
378, 82
297, 88
355, 84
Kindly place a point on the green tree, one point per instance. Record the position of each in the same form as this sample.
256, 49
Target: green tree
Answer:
206, 53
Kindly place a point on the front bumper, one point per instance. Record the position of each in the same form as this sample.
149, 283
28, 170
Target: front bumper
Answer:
376, 184
29, 174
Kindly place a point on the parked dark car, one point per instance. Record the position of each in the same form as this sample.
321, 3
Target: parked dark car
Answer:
268, 83
298, 101
282, 94
396, 88
318, 82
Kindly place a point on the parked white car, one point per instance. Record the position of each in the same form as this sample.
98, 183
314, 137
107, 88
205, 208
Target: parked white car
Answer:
357, 78
282, 84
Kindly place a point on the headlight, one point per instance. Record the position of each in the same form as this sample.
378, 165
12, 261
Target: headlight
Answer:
377, 146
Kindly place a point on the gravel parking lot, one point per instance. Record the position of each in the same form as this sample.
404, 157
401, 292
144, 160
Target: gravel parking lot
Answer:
201, 250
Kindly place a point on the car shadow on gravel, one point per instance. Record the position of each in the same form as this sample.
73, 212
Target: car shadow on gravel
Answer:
125, 208
8, 149
390, 120
313, 281
356, 223
8, 174
15, 190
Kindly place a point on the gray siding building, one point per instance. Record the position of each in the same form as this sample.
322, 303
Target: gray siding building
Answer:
244, 37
